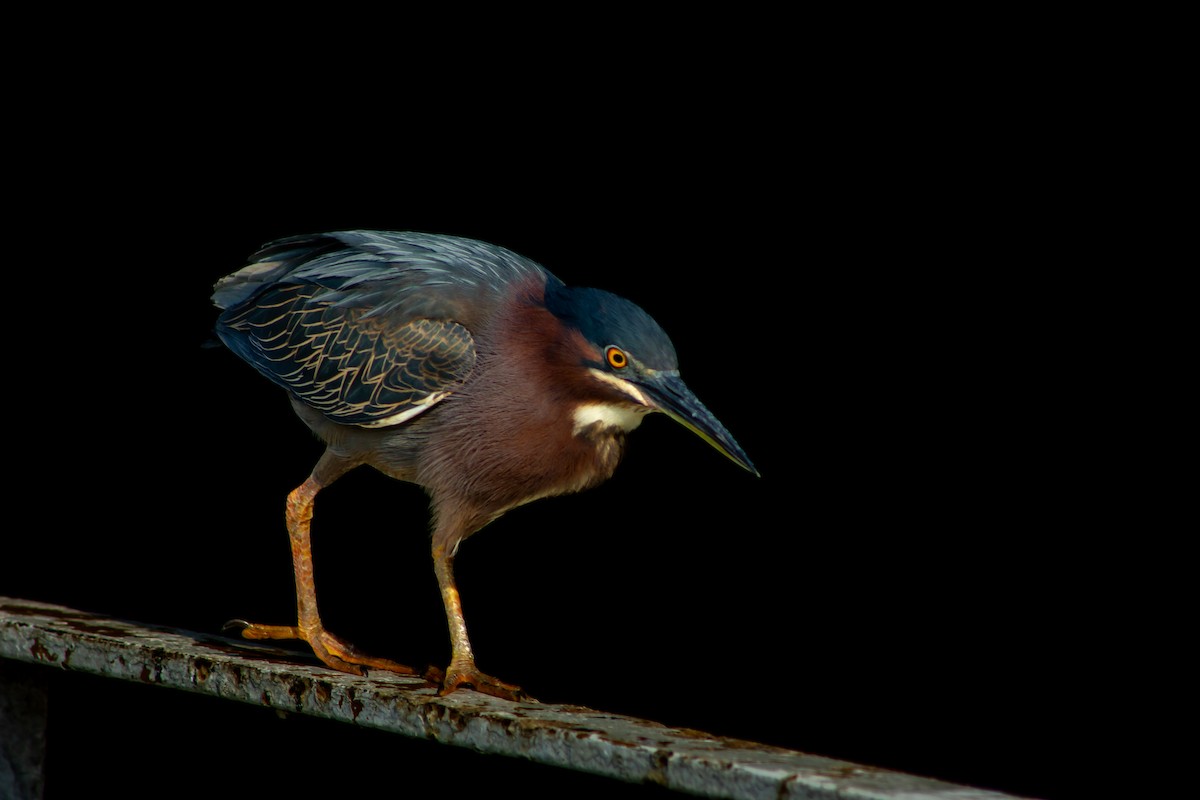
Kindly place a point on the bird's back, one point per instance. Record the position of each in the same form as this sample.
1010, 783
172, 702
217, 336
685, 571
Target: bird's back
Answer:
378, 270
369, 328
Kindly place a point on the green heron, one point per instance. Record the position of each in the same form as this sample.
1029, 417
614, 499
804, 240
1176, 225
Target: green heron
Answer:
456, 365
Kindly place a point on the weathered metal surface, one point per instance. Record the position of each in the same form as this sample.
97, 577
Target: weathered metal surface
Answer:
620, 747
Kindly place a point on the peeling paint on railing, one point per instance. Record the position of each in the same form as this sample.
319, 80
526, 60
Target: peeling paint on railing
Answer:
620, 747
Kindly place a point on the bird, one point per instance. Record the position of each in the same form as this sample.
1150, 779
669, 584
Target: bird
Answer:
454, 364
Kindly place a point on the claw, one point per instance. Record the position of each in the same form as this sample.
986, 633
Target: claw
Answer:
480, 682
332, 651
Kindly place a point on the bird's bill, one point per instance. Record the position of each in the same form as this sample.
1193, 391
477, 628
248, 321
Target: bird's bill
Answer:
670, 395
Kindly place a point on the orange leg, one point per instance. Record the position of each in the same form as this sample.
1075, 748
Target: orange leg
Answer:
462, 670
331, 650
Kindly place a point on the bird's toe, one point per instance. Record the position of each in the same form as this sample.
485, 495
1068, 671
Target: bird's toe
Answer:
480, 682
343, 656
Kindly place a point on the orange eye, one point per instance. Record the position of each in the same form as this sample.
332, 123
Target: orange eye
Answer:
616, 358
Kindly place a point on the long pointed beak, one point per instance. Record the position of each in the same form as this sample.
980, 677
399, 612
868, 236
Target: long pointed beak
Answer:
670, 395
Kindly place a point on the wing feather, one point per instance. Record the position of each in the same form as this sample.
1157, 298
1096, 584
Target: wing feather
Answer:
369, 328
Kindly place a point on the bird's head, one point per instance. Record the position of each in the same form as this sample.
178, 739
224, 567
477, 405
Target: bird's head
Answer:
630, 357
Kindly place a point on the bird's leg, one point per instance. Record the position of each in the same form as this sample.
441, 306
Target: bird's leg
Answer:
331, 650
462, 670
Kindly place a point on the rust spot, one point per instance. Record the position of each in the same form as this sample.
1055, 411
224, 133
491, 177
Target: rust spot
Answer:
266, 701
508, 725
724, 742
203, 669
658, 769
257, 650
42, 653
99, 630
157, 656
356, 705
41, 611
79, 620
297, 688
323, 691
845, 771
457, 718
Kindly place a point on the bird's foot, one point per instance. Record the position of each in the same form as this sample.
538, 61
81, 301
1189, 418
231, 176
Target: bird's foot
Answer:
332, 651
479, 681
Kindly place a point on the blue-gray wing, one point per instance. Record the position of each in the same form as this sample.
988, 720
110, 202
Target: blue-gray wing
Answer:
368, 328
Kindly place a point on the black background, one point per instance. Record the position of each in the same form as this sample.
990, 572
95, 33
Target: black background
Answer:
854, 276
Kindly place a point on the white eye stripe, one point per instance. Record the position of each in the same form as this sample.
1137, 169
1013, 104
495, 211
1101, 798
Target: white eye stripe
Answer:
624, 386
